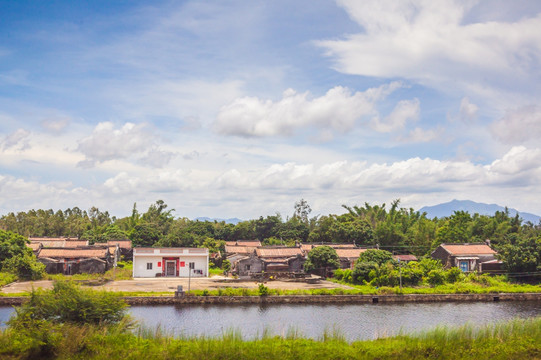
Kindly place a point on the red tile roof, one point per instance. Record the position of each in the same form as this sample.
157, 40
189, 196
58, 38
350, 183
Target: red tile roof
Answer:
72, 253
49, 242
75, 243
468, 249
349, 253
34, 246
233, 249
124, 244
405, 257
278, 252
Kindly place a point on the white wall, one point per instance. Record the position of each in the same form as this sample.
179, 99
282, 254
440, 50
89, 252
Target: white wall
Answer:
140, 266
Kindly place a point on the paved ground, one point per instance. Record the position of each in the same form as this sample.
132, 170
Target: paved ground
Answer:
170, 284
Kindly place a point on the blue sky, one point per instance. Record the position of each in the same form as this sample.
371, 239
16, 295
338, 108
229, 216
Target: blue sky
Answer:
241, 108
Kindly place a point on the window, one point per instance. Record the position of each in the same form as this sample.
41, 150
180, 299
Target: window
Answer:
149, 266
247, 267
192, 265
464, 266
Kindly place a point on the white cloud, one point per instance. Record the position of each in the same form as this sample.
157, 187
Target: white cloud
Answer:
468, 111
55, 125
519, 126
18, 140
431, 43
108, 143
339, 110
405, 110
418, 135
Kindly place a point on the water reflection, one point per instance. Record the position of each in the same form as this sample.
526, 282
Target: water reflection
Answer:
358, 321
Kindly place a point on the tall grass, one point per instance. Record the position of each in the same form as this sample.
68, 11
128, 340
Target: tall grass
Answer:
516, 339
6, 278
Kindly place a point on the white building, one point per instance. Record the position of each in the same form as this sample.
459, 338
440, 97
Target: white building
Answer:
170, 262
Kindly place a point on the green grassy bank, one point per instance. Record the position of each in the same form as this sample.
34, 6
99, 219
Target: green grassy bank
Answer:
517, 339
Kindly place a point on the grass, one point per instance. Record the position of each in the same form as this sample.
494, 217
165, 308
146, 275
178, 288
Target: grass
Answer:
516, 339
123, 271
215, 272
7, 278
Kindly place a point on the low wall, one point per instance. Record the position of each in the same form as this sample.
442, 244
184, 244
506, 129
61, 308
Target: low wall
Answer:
312, 299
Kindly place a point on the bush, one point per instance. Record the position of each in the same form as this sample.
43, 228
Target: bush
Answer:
25, 267
68, 303
436, 277
379, 257
453, 275
321, 257
343, 275
263, 290
361, 272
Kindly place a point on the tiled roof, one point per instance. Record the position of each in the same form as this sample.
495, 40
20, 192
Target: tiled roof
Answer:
72, 253
468, 249
50, 243
349, 253
405, 257
124, 244
75, 243
33, 238
278, 252
34, 246
233, 249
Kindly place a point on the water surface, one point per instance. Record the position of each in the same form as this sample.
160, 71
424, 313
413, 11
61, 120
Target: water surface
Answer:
354, 322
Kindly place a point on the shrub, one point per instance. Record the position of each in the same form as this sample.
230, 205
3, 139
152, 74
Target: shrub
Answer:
343, 275
263, 290
361, 272
379, 257
453, 275
436, 277
68, 303
322, 257
25, 266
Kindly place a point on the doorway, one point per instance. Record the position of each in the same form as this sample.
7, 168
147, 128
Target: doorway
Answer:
170, 268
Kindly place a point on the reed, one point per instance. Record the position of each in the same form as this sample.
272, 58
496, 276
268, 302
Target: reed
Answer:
515, 339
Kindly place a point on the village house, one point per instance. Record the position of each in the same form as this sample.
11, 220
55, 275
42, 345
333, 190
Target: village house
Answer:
467, 257
250, 243
348, 256
125, 247
405, 258
170, 262
69, 261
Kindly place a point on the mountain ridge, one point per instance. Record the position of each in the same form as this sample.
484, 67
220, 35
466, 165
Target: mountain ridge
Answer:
448, 208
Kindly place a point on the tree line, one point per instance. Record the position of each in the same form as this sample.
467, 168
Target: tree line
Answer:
394, 228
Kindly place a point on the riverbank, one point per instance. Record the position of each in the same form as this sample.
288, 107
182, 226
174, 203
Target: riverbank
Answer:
517, 339
309, 299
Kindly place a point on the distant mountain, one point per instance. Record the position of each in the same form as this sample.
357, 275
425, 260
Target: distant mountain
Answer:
447, 209
233, 221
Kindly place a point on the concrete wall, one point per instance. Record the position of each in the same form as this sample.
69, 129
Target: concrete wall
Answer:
140, 266
311, 299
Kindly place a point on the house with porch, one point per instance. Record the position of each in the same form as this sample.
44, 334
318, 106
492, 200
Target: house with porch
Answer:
170, 262
467, 257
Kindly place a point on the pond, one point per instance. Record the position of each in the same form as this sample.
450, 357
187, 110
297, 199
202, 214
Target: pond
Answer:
354, 322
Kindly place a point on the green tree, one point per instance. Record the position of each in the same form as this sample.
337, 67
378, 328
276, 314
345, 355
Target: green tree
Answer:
379, 257
322, 257
26, 267
12, 245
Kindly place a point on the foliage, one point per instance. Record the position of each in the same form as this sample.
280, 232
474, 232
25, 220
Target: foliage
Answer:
379, 257
25, 267
515, 339
361, 271
226, 266
453, 275
7, 278
321, 257
12, 244
436, 277
69, 303
263, 290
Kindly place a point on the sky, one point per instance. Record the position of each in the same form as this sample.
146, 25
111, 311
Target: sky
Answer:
242, 108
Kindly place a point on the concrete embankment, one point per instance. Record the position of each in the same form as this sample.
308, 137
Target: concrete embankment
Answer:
313, 299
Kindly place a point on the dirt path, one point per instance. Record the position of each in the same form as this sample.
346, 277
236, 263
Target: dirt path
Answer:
170, 285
